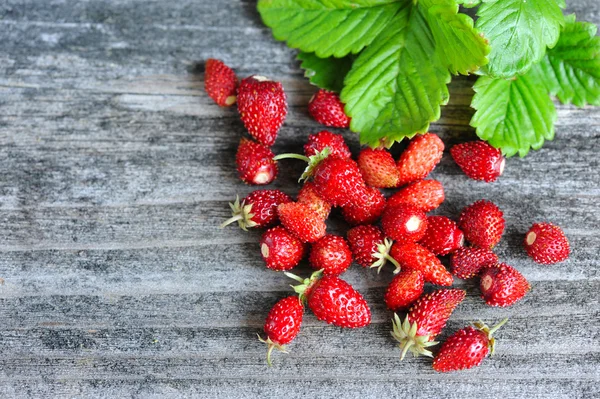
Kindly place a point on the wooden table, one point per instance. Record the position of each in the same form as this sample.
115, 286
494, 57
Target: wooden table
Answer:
116, 170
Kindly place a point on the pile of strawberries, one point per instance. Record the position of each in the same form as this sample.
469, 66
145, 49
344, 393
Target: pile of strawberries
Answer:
394, 230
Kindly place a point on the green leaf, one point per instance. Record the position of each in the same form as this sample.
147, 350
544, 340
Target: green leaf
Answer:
326, 73
513, 115
397, 84
571, 70
328, 27
461, 47
468, 3
519, 32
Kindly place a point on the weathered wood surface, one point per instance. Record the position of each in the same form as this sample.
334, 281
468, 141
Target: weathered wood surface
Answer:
115, 170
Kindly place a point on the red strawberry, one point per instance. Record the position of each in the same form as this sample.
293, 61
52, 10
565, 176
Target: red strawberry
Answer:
255, 163
368, 212
333, 300
546, 243
258, 209
263, 107
420, 157
317, 143
327, 109
467, 262
405, 288
330, 254
280, 249
502, 285
302, 221
479, 160
308, 196
404, 222
423, 194
483, 223
425, 320
282, 324
369, 247
378, 168
466, 348
220, 82
413, 256
337, 180
442, 235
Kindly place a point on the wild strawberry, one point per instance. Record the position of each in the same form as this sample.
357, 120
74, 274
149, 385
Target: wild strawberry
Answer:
258, 209
330, 254
280, 249
317, 143
466, 348
378, 168
413, 256
546, 243
483, 223
502, 285
442, 235
467, 262
220, 82
404, 222
405, 288
263, 107
368, 212
337, 180
308, 196
282, 324
420, 157
479, 160
327, 109
369, 247
333, 300
425, 320
255, 163
302, 221
423, 194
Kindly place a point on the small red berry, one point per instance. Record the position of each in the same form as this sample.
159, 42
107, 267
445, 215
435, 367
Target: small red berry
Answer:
423, 194
546, 243
317, 143
467, 262
479, 160
258, 209
255, 163
262, 105
369, 246
327, 109
368, 212
405, 288
420, 157
413, 256
280, 249
282, 324
404, 222
442, 235
330, 254
308, 196
378, 168
220, 82
483, 223
302, 221
502, 285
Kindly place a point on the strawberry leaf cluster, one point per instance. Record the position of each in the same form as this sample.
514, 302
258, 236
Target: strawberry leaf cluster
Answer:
391, 62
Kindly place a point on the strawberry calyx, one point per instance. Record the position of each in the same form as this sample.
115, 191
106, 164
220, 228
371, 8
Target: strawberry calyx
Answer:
383, 256
313, 161
240, 213
406, 334
481, 326
303, 289
271, 345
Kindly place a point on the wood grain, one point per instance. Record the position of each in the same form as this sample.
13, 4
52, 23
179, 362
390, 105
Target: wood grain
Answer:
116, 170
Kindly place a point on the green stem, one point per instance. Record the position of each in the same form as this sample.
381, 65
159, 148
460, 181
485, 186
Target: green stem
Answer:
291, 156
269, 351
231, 220
497, 326
407, 345
293, 276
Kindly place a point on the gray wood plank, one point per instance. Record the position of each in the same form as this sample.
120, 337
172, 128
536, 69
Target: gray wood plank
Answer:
116, 170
